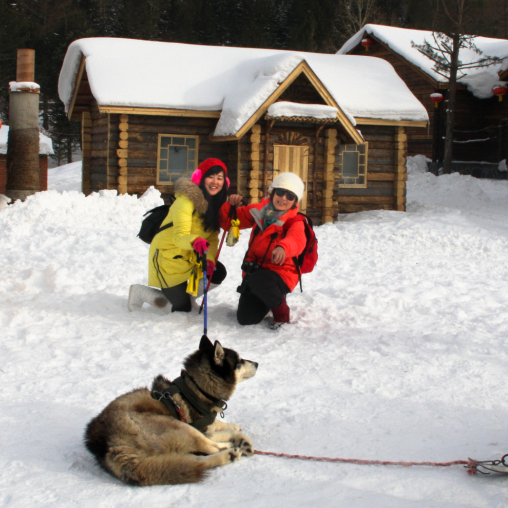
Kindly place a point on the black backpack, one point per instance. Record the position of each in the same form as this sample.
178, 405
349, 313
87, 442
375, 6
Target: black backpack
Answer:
151, 225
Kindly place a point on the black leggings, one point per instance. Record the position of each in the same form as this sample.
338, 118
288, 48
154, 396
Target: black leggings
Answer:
260, 291
180, 299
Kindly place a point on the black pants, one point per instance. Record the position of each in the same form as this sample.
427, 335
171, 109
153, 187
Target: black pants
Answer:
180, 299
260, 291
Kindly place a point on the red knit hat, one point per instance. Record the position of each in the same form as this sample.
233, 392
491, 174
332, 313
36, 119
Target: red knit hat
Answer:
206, 165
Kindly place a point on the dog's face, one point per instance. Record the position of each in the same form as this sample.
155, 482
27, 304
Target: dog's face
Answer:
223, 368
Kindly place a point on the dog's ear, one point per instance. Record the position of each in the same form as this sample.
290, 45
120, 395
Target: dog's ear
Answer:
218, 353
205, 344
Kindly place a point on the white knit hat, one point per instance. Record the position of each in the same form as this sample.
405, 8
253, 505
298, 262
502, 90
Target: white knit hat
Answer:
290, 182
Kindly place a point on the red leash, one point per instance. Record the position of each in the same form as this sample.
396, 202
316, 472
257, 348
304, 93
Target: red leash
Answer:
371, 462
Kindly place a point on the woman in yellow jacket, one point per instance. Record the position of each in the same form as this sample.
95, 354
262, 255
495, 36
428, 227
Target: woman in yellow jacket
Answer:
195, 229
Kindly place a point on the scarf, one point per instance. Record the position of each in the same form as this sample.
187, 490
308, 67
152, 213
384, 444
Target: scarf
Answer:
270, 215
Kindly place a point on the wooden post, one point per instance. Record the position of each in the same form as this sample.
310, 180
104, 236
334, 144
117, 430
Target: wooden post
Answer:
86, 151
255, 182
315, 166
328, 212
269, 126
399, 183
123, 155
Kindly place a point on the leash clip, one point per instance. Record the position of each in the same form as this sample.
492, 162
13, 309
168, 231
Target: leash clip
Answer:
167, 396
498, 466
224, 407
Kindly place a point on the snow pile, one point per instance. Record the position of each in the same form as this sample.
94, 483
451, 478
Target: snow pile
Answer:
289, 109
397, 351
479, 81
65, 178
14, 86
45, 143
234, 82
417, 164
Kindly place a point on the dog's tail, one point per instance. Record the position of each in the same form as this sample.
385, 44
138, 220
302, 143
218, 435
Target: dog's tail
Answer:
169, 468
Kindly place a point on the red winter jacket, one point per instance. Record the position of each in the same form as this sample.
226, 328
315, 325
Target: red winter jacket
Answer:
292, 241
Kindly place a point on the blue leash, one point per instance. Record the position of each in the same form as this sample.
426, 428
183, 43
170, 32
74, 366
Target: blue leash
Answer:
205, 292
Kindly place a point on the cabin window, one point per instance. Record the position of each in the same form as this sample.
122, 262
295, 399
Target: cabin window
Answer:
352, 163
294, 159
177, 156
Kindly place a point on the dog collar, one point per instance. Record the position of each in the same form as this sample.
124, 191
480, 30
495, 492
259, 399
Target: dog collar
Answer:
180, 386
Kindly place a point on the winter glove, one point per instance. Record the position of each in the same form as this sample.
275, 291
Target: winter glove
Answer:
201, 246
210, 267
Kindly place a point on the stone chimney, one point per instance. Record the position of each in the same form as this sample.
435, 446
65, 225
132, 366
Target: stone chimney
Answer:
23, 141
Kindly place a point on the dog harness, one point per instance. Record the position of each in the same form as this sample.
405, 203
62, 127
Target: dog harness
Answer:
180, 386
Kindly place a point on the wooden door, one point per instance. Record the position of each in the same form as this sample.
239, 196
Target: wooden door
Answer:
294, 159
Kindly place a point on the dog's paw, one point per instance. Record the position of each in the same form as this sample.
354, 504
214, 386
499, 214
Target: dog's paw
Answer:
235, 455
242, 442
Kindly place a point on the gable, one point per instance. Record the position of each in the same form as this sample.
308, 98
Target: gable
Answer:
306, 81
302, 91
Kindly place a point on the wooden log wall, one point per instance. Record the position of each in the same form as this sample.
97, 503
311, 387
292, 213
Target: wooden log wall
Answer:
100, 150
496, 114
123, 153
143, 135
329, 175
386, 173
386, 176
86, 152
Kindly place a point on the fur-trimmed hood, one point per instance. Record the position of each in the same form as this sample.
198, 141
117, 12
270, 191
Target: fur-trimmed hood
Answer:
187, 188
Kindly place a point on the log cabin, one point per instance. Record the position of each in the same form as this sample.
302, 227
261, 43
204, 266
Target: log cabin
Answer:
45, 150
481, 120
151, 111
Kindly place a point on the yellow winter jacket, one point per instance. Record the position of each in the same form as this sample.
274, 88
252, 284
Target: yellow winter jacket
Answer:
172, 257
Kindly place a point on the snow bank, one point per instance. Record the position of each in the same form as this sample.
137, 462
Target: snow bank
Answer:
397, 351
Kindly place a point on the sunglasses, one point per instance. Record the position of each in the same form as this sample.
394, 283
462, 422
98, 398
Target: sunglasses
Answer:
283, 192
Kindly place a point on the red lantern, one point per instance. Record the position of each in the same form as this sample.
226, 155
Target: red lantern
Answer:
500, 90
436, 98
366, 43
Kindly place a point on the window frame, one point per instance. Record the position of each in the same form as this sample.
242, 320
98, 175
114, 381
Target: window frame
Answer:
339, 161
189, 171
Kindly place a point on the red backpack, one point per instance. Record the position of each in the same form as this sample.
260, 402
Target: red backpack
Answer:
307, 260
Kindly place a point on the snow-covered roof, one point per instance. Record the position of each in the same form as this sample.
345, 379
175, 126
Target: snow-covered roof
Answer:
478, 81
232, 81
45, 143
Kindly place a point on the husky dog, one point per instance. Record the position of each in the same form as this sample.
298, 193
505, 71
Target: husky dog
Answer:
169, 434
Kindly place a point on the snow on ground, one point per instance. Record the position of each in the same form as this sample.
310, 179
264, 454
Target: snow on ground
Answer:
397, 352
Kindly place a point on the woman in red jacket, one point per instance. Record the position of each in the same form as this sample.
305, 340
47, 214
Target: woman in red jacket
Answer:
268, 270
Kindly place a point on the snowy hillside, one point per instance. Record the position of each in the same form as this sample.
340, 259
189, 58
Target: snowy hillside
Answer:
398, 351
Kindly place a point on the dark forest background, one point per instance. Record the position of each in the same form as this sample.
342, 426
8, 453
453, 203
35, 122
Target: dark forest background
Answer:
49, 26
